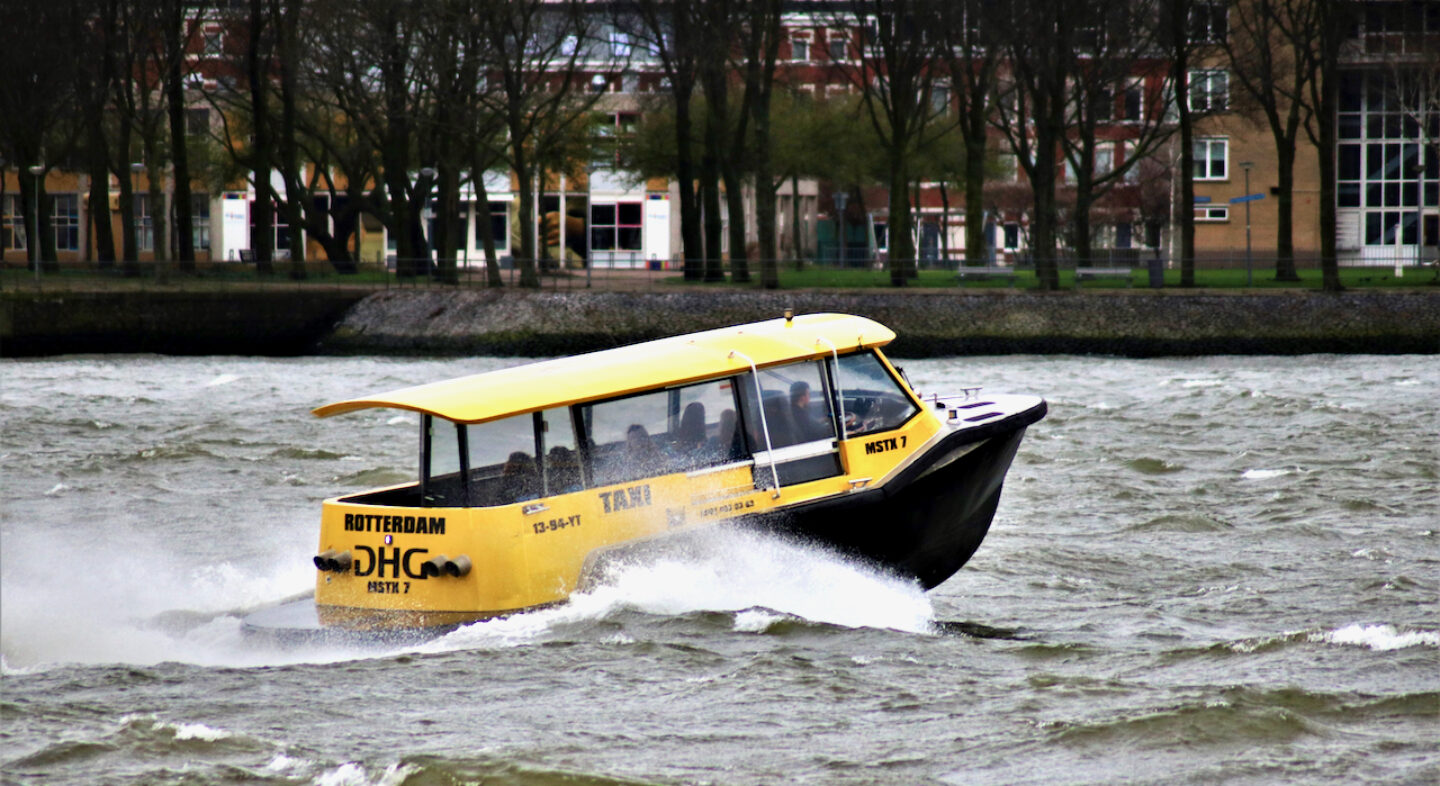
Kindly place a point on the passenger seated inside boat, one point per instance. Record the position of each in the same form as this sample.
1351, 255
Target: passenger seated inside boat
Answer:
562, 471
640, 452
690, 444
726, 445
806, 425
518, 479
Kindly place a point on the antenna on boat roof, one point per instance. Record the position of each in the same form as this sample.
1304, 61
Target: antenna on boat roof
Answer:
789, 315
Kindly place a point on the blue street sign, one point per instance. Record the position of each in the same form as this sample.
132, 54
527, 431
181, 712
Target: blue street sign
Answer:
1247, 198
1202, 199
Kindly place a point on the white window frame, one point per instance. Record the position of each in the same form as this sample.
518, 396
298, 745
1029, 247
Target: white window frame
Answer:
1209, 90
65, 225
144, 221
805, 38
833, 36
14, 219
1211, 214
1209, 142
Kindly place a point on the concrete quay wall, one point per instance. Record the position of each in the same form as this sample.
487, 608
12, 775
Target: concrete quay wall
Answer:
512, 322
509, 322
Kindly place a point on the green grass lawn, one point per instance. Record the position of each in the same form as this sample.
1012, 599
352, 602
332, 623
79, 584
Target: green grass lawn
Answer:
849, 278
318, 274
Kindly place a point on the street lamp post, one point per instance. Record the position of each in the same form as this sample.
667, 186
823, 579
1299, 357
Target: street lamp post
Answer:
135, 170
840, 198
1249, 270
37, 171
589, 212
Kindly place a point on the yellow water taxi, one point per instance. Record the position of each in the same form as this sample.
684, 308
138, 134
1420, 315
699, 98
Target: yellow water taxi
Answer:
532, 478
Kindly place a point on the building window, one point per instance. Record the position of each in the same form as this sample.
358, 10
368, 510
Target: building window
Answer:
616, 227
1132, 102
1011, 236
12, 227
200, 221
940, 99
838, 45
65, 220
197, 122
1212, 213
282, 231
144, 223
1383, 227
619, 44
800, 47
499, 227
1211, 157
1209, 22
1209, 90
214, 41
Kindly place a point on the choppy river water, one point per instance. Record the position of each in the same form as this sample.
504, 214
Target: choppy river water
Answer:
1203, 570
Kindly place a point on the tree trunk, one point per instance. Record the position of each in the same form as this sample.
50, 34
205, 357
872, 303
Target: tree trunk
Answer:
710, 200
262, 239
692, 246
104, 233
1285, 215
902, 249
526, 179
975, 188
447, 268
487, 229
179, 155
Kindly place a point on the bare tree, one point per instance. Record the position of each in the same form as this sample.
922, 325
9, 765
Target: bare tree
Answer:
1268, 51
971, 63
36, 102
1114, 94
671, 32
895, 71
1038, 40
536, 48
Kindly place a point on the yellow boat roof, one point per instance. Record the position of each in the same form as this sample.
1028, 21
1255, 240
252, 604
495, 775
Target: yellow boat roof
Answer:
638, 367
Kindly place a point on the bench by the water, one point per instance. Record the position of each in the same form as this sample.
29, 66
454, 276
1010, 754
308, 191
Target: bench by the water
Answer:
987, 271
1127, 273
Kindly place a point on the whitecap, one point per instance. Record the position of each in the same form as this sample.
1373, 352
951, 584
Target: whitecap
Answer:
56, 489
352, 774
284, 763
1378, 637
223, 379
1265, 474
195, 731
755, 621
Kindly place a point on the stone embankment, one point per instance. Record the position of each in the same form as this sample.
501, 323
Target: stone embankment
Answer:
511, 322
928, 323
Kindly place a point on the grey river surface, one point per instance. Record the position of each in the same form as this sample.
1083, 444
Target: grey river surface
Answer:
1205, 570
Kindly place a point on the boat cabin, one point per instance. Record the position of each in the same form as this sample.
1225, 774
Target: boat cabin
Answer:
782, 420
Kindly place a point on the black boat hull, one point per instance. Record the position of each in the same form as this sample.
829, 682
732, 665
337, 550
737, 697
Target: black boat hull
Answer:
925, 523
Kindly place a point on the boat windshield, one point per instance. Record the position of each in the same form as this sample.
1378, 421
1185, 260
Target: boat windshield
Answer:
873, 399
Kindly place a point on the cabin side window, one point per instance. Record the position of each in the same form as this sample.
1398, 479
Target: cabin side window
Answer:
789, 425
501, 465
793, 406
675, 430
872, 399
443, 484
